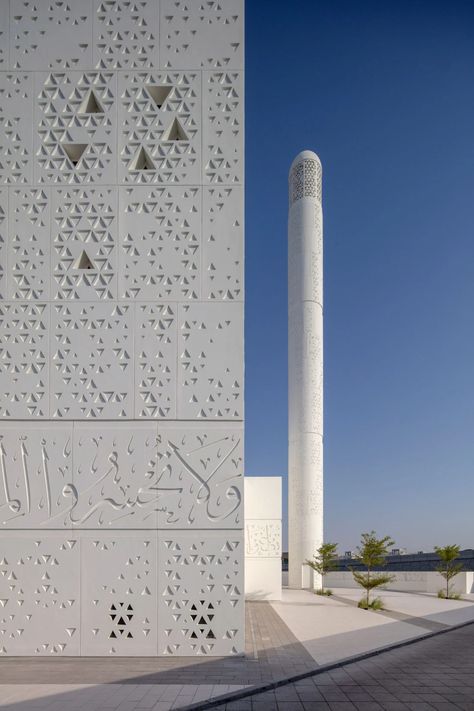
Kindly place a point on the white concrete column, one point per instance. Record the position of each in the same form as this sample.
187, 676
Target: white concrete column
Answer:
305, 367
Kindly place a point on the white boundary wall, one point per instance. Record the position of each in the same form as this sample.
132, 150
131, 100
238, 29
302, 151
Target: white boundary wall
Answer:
263, 537
409, 581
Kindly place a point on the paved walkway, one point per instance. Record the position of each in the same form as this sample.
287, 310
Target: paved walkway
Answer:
431, 674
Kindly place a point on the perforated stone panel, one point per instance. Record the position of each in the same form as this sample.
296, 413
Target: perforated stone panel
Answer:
29, 253
75, 144
84, 244
210, 340
222, 127
4, 34
200, 593
118, 589
39, 593
223, 258
3, 240
202, 34
92, 360
24, 360
34, 24
160, 235
125, 34
16, 138
145, 124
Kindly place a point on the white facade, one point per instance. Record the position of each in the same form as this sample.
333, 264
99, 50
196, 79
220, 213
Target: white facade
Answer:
305, 367
263, 537
121, 327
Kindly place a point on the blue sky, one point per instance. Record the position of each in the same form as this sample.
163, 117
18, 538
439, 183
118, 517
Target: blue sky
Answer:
384, 93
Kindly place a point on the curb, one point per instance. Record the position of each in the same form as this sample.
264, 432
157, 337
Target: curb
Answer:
269, 686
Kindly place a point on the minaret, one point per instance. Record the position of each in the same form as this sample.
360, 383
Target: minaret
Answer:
305, 367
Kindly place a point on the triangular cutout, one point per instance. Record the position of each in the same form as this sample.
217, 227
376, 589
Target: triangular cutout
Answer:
74, 151
84, 262
159, 94
91, 105
142, 161
175, 132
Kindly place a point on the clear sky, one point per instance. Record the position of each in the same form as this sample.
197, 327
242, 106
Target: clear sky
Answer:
383, 91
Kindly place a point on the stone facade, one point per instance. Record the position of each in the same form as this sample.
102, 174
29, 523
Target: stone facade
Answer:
121, 327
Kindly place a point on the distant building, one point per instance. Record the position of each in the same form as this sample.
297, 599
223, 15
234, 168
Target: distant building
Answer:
400, 561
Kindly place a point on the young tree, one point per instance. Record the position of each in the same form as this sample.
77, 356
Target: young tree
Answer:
371, 553
448, 568
324, 560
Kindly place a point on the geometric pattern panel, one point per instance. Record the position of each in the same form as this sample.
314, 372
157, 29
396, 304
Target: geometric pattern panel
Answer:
223, 126
84, 253
160, 116
29, 245
36, 476
262, 539
200, 593
210, 348
51, 35
92, 360
24, 360
118, 594
125, 34
223, 246
115, 476
3, 240
200, 472
76, 118
39, 590
196, 34
160, 235
155, 361
4, 34
16, 139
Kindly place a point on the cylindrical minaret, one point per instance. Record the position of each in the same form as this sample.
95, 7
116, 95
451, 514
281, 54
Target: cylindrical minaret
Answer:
305, 367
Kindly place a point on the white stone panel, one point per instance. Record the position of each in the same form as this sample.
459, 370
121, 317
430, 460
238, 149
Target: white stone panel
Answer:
29, 243
35, 475
118, 594
200, 593
125, 34
210, 349
84, 228
160, 138
207, 35
155, 361
223, 126
16, 138
39, 593
4, 34
76, 135
200, 475
223, 244
263, 497
115, 476
24, 360
160, 243
3, 241
92, 361
263, 539
263, 578
51, 35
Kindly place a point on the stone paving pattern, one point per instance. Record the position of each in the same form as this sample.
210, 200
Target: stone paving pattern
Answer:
435, 673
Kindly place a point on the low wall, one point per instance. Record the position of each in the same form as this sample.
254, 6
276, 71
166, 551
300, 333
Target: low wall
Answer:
262, 537
409, 581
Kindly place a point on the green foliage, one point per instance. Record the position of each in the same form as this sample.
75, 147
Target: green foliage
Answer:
372, 553
375, 604
324, 561
452, 596
448, 568
323, 591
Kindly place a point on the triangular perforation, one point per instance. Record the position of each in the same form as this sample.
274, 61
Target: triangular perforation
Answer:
142, 161
74, 151
159, 94
91, 105
175, 132
83, 262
